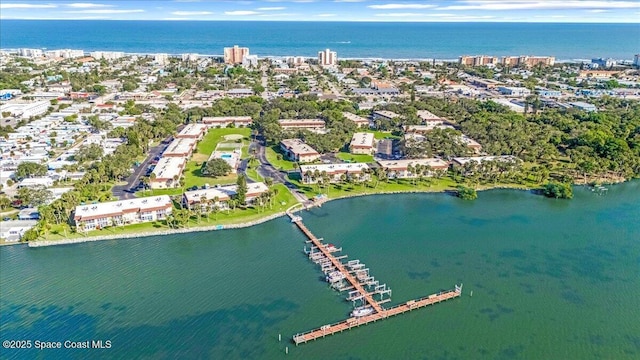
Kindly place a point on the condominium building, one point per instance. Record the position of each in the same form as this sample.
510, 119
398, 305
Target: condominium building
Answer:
423, 129
180, 147
311, 174
461, 161
429, 117
234, 55
25, 110
471, 144
107, 55
362, 143
528, 61
219, 196
193, 131
327, 58
297, 150
384, 115
401, 168
122, 212
167, 172
224, 121
478, 60
359, 120
287, 124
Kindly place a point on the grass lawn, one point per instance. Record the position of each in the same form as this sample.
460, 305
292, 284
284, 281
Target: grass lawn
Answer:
272, 156
354, 157
252, 173
382, 134
208, 144
193, 176
283, 200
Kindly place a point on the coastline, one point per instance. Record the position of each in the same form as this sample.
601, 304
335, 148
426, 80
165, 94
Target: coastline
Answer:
300, 207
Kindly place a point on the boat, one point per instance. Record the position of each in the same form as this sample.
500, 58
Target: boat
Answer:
335, 276
362, 311
331, 248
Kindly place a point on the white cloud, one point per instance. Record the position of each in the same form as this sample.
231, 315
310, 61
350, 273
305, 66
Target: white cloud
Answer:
540, 5
106, 11
398, 14
241, 13
349, 1
27, 6
272, 8
87, 5
401, 6
325, 15
191, 13
597, 11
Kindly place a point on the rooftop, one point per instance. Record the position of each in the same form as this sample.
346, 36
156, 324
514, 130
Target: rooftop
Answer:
168, 167
362, 139
435, 163
114, 208
298, 146
335, 168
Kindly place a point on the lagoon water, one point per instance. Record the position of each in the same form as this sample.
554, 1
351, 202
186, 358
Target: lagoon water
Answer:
551, 279
349, 39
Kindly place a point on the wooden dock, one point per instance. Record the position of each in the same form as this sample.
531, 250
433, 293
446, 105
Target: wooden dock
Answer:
358, 277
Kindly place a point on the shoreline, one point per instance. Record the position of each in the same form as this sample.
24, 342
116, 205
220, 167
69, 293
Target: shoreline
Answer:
299, 207
44, 243
280, 57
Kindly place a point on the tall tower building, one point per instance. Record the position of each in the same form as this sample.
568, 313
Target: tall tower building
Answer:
235, 54
327, 58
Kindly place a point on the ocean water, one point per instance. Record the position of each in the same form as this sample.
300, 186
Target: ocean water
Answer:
349, 39
551, 279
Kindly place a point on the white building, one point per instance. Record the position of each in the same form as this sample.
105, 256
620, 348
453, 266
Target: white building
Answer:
167, 172
362, 143
249, 61
219, 196
311, 174
161, 59
122, 212
107, 55
327, 58
64, 53
298, 150
30, 52
400, 168
287, 124
34, 182
461, 161
12, 230
190, 57
514, 91
26, 110
359, 120
224, 121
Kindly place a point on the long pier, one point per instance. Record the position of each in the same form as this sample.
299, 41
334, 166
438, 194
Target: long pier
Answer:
325, 257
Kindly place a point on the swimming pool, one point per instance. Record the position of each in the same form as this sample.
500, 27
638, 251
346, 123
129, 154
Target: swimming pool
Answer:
225, 156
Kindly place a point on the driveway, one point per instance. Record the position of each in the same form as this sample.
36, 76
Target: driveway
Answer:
279, 177
124, 191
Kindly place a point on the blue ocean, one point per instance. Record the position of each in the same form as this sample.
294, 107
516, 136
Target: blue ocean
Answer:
349, 39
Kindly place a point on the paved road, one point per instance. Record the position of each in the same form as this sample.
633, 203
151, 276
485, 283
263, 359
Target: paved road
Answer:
279, 177
123, 191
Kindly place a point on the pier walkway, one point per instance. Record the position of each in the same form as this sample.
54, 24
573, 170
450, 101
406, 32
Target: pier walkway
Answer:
325, 257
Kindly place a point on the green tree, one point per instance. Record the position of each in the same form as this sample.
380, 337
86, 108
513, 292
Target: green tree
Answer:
466, 193
241, 192
89, 152
557, 190
215, 168
30, 169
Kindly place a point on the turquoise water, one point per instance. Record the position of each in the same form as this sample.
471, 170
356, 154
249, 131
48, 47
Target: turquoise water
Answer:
550, 280
349, 39
225, 156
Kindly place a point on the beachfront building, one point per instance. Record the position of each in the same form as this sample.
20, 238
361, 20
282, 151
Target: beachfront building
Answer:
167, 173
12, 230
478, 60
528, 61
359, 120
220, 196
225, 121
406, 168
193, 131
123, 212
234, 55
362, 143
180, 147
298, 151
311, 174
327, 58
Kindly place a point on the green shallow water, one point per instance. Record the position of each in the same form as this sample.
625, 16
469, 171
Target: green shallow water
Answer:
550, 280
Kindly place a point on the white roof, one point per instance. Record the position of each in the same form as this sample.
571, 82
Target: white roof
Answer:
387, 114
362, 139
298, 146
168, 167
226, 118
193, 130
355, 118
301, 122
428, 127
403, 164
114, 208
180, 146
224, 193
427, 115
479, 159
335, 168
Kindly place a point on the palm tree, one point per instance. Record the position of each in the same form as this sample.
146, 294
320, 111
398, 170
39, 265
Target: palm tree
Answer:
203, 204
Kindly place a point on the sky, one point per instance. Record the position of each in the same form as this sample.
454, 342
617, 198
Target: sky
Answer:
584, 11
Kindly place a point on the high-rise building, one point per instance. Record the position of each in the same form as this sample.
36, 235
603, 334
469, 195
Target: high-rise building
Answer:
636, 60
478, 60
235, 54
528, 61
161, 59
327, 58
